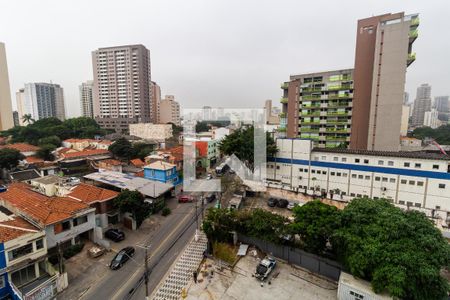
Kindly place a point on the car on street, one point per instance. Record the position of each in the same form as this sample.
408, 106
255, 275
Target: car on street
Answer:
282, 203
185, 198
272, 202
115, 235
121, 257
265, 267
210, 197
291, 205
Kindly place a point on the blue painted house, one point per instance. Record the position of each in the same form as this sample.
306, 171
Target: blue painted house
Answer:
163, 172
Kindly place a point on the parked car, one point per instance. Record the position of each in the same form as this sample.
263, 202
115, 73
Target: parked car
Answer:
115, 235
282, 203
185, 198
121, 257
96, 251
210, 197
272, 202
291, 205
74, 180
265, 267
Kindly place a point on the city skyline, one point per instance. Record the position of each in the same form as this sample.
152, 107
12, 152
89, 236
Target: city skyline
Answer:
219, 51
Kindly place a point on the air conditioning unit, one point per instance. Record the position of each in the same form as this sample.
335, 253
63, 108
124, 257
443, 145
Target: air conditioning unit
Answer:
383, 189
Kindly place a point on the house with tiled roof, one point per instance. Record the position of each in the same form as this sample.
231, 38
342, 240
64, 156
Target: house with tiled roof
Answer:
82, 144
23, 250
162, 171
99, 198
110, 165
137, 162
65, 220
24, 148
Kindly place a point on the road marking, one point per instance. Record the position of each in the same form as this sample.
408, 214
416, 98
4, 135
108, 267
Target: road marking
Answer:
125, 284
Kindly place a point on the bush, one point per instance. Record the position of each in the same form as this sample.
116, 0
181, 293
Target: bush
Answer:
166, 211
225, 252
73, 250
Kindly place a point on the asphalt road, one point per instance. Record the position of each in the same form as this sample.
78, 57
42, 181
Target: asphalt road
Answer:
117, 284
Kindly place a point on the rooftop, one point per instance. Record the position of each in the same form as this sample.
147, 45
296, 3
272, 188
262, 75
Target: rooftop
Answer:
24, 175
49, 179
34, 160
403, 154
90, 194
15, 227
42, 209
147, 187
22, 147
84, 153
160, 165
137, 162
112, 162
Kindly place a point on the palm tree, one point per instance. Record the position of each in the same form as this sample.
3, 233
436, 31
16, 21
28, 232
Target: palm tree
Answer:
27, 119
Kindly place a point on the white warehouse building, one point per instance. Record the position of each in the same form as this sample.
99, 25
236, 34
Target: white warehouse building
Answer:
416, 180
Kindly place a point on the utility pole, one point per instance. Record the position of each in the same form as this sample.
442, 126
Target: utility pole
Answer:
146, 274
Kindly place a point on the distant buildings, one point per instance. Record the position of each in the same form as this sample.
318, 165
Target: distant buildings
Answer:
441, 103
86, 99
122, 86
431, 119
6, 117
16, 118
41, 100
169, 111
156, 101
383, 52
422, 104
271, 117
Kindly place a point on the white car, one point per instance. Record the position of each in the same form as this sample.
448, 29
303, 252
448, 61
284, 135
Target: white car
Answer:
291, 205
265, 267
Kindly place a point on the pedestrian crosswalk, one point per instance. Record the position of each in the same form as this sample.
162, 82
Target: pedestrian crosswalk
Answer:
183, 270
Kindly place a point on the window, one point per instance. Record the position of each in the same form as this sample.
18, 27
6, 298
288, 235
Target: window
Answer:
332, 173
360, 177
24, 275
384, 179
412, 182
344, 174
2, 281
39, 244
367, 177
19, 252
60, 227
403, 181
353, 175
324, 158
338, 174
435, 167
324, 172
344, 159
419, 183
278, 167
352, 194
356, 160
392, 180
305, 170
390, 163
366, 161
377, 178
335, 158
80, 220
417, 165
441, 186
381, 162
406, 164
313, 171
300, 170
401, 202
438, 207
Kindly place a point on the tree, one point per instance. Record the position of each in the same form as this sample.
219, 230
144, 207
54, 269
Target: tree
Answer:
315, 222
440, 134
264, 225
201, 126
133, 202
52, 140
10, 158
122, 149
142, 150
241, 144
45, 152
27, 118
400, 252
219, 223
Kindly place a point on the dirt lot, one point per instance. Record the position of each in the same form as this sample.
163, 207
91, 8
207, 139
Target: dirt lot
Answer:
286, 282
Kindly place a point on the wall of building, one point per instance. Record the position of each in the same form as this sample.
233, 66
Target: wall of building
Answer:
151, 131
6, 117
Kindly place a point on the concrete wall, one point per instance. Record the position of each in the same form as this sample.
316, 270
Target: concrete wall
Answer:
6, 117
151, 131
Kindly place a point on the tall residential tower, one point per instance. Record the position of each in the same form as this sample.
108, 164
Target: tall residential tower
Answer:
86, 99
122, 80
41, 100
169, 111
6, 112
422, 104
383, 52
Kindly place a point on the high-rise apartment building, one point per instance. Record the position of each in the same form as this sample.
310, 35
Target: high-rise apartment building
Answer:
6, 112
405, 119
41, 100
156, 100
318, 106
16, 118
169, 111
383, 52
430, 119
86, 99
122, 81
441, 103
422, 104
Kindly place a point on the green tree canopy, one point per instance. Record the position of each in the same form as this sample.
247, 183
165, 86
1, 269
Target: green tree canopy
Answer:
9, 158
122, 149
133, 202
50, 140
315, 222
440, 134
241, 143
45, 152
398, 251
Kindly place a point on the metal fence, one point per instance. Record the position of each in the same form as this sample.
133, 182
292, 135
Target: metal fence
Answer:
316, 264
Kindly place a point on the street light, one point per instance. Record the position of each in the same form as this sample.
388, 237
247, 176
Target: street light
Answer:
145, 269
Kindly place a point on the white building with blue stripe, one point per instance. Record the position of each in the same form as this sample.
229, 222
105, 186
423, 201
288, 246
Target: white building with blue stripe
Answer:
414, 180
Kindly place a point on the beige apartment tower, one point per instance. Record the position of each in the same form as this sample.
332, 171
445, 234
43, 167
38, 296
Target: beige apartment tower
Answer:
383, 52
156, 101
169, 111
86, 99
6, 113
122, 86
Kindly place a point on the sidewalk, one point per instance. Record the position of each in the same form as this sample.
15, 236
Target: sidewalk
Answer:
182, 271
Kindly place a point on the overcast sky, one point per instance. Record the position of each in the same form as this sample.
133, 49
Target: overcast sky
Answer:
218, 53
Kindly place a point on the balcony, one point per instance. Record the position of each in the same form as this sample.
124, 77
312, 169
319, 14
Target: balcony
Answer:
338, 104
284, 100
340, 87
284, 86
341, 96
282, 115
311, 114
337, 114
413, 34
309, 122
411, 58
311, 90
415, 21
282, 129
312, 98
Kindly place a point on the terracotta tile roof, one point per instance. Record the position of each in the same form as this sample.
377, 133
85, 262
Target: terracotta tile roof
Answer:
22, 147
44, 210
137, 162
139, 174
84, 153
15, 228
34, 160
112, 162
160, 165
90, 194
